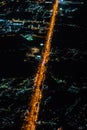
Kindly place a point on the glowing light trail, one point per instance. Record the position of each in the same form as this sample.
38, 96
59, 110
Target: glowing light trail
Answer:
32, 117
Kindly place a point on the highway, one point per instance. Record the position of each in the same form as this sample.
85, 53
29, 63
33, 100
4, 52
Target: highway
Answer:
34, 105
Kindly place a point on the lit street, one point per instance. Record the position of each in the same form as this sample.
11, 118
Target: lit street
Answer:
43, 65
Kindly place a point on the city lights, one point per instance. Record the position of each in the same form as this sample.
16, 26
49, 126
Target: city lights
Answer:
32, 117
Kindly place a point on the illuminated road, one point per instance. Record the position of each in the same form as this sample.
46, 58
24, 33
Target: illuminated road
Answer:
32, 117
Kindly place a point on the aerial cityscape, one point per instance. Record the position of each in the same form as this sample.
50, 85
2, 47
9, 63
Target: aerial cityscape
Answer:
43, 65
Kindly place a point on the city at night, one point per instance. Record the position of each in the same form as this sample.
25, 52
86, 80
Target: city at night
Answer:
43, 65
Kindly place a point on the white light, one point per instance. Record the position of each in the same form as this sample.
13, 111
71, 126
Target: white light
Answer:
41, 44
38, 57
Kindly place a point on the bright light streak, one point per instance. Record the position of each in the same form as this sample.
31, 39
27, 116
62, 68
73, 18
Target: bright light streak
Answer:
32, 117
